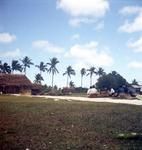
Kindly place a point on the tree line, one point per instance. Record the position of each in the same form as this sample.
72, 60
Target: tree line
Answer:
50, 67
105, 80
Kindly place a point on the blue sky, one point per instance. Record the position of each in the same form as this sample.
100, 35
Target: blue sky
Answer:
100, 33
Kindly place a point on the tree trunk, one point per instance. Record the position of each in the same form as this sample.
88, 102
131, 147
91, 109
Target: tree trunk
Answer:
67, 80
25, 70
90, 80
52, 79
81, 80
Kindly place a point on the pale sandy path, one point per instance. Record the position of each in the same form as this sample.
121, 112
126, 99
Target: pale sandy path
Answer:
109, 100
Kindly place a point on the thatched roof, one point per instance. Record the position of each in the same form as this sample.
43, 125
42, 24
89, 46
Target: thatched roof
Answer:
36, 86
14, 80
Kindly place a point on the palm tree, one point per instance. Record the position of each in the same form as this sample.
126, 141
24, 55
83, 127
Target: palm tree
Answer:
6, 68
91, 71
41, 67
71, 84
83, 72
100, 72
134, 82
26, 63
38, 78
52, 69
69, 71
15, 66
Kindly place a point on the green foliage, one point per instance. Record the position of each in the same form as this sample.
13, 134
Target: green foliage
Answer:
83, 72
71, 84
91, 71
27, 62
100, 72
5, 68
41, 67
52, 69
16, 66
111, 80
53, 62
134, 82
69, 71
38, 79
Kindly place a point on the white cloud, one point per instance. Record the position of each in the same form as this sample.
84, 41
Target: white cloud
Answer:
135, 65
10, 54
89, 55
47, 46
75, 37
7, 38
76, 22
129, 10
136, 45
136, 24
83, 11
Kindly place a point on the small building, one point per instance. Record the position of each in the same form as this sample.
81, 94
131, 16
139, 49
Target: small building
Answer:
36, 89
138, 88
15, 84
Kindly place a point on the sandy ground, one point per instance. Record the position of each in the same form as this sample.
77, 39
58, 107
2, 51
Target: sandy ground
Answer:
109, 100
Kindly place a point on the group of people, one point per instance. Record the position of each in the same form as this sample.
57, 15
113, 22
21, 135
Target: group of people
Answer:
112, 92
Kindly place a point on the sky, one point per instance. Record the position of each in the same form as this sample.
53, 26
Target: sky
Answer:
80, 33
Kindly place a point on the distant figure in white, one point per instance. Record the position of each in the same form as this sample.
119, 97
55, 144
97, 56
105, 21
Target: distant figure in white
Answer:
92, 90
111, 92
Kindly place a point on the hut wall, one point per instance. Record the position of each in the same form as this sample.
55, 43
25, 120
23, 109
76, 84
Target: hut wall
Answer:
25, 91
11, 90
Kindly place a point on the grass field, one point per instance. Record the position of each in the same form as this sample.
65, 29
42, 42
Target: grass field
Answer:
41, 124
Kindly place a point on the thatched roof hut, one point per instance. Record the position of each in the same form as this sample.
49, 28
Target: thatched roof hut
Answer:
15, 84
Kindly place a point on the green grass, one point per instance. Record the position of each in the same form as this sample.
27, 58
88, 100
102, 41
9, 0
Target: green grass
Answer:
44, 124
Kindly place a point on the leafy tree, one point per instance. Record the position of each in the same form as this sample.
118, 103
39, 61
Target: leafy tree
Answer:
27, 62
134, 82
41, 67
114, 73
15, 66
69, 71
111, 80
38, 78
91, 71
52, 69
100, 72
83, 72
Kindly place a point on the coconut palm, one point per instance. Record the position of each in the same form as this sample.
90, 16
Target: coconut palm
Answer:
69, 71
52, 69
91, 71
6, 68
134, 82
71, 84
100, 72
83, 72
41, 67
15, 66
27, 62
38, 78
